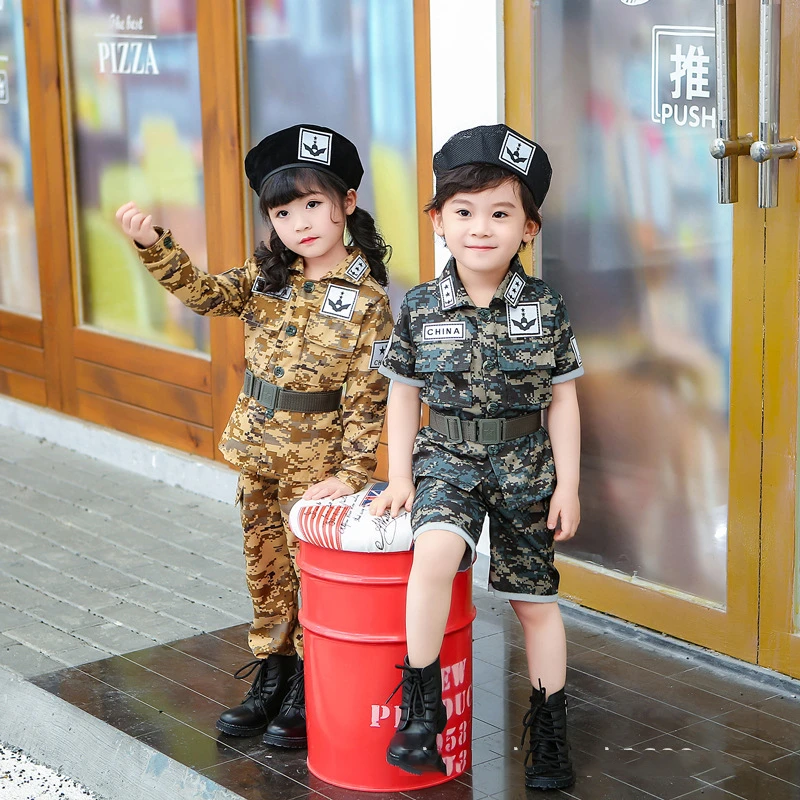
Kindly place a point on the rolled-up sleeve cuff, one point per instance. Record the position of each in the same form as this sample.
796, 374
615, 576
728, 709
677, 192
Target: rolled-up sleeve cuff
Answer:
392, 375
568, 376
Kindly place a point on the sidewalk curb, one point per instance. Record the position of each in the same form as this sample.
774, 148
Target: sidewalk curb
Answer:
102, 758
148, 459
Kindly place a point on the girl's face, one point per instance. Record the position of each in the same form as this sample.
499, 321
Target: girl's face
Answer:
313, 225
484, 230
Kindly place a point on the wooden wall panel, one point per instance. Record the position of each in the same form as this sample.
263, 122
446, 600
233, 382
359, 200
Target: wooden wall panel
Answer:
23, 387
138, 390
145, 424
161, 364
22, 358
21, 328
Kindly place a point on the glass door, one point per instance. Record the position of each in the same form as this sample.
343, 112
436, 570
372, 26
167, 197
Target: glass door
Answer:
666, 289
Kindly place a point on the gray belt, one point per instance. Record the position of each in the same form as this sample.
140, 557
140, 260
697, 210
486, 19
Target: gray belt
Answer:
485, 431
273, 397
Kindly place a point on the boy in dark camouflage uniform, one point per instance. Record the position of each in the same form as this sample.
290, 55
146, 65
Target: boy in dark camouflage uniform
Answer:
487, 348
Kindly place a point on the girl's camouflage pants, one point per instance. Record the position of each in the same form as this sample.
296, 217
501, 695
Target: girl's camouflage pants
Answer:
269, 550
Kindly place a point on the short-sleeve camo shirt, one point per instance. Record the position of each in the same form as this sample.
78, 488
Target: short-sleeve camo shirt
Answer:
313, 336
471, 362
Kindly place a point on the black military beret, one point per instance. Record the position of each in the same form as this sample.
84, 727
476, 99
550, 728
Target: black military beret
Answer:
304, 146
502, 147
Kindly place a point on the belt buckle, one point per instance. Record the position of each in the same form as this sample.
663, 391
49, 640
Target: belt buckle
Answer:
490, 431
248, 383
268, 395
454, 431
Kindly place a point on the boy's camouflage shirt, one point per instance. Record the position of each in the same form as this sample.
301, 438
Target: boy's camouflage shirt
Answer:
471, 362
314, 336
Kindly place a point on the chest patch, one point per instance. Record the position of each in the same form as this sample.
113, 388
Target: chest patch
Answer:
447, 293
443, 331
357, 269
339, 302
379, 348
514, 289
524, 320
258, 288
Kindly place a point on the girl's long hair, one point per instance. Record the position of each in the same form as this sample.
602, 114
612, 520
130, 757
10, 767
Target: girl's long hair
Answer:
275, 259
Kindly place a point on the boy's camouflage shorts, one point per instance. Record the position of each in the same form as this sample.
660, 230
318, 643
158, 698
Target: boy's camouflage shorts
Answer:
520, 544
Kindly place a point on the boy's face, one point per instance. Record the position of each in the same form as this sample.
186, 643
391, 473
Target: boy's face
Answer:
313, 225
484, 230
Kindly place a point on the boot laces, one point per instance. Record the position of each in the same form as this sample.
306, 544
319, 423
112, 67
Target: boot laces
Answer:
411, 684
544, 743
265, 681
296, 696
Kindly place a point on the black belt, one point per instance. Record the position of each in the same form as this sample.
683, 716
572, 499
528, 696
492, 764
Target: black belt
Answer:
485, 431
273, 397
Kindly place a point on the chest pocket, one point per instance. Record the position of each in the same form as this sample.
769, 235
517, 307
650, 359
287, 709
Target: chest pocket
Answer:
526, 367
328, 345
445, 367
263, 314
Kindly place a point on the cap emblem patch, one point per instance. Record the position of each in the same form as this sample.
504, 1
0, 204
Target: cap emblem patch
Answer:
314, 146
517, 153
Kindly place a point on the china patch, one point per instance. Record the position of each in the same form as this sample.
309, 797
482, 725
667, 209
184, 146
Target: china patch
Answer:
524, 320
447, 293
514, 289
314, 146
443, 331
357, 269
379, 348
576, 351
517, 152
339, 302
258, 288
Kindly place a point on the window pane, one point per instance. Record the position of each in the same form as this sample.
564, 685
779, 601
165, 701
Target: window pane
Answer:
19, 268
348, 65
634, 238
137, 134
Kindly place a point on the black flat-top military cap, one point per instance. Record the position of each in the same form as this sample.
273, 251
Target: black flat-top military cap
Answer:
500, 146
304, 146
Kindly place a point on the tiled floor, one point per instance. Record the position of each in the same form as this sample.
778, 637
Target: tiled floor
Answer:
646, 722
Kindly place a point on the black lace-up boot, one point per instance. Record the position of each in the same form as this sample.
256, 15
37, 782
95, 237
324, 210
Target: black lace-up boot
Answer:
264, 698
288, 729
547, 762
413, 746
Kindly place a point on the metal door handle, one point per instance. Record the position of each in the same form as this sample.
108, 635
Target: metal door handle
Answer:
728, 146
768, 151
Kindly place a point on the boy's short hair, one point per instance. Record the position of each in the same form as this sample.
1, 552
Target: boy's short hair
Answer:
476, 178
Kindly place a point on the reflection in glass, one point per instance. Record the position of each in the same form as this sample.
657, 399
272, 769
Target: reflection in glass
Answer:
348, 65
635, 240
137, 135
19, 268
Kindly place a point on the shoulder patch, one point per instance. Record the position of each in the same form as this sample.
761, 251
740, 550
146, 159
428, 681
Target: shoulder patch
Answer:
379, 348
339, 302
575, 350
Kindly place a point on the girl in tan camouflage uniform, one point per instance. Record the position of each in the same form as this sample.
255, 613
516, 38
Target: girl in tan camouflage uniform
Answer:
310, 414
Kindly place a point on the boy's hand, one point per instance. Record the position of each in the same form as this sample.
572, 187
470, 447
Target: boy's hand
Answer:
137, 225
398, 495
565, 514
329, 488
